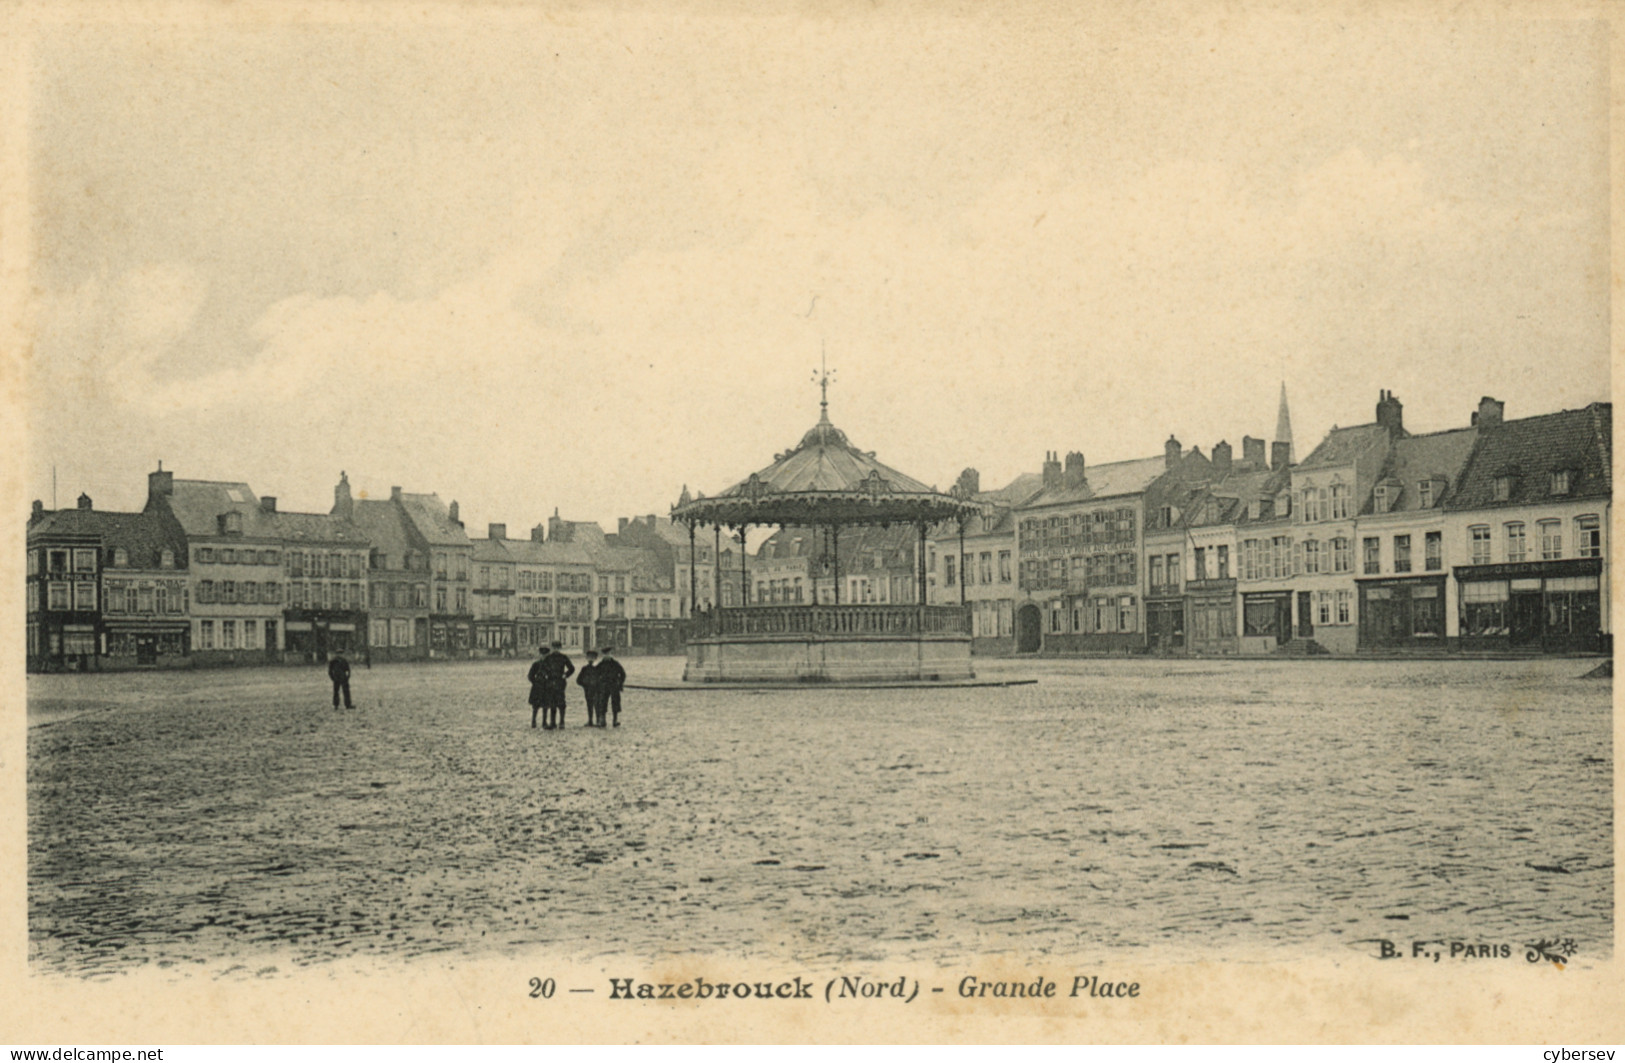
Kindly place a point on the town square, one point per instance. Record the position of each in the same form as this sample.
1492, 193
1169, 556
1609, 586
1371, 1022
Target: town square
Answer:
231, 823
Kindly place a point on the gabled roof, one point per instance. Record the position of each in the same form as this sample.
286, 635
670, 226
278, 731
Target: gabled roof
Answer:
1531, 448
1108, 480
433, 520
1343, 446
1438, 456
385, 528
198, 505
1015, 493
297, 528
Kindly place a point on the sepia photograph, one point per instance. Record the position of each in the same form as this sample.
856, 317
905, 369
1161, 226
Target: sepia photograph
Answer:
815, 522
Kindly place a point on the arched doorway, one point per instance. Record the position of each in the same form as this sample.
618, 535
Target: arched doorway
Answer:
1028, 637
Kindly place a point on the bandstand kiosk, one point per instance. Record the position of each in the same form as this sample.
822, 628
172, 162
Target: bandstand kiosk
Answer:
825, 484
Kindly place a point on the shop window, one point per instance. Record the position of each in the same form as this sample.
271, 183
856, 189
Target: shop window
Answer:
1484, 608
1258, 618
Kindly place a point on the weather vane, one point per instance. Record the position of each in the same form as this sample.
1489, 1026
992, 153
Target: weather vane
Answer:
823, 376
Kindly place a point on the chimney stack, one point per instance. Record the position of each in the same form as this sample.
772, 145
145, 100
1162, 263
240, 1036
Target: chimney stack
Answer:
1221, 458
451, 511
555, 525
343, 504
538, 534
1170, 452
39, 512
160, 483
1052, 470
84, 500
1073, 476
620, 525
1490, 412
394, 494
1391, 415
268, 503
1252, 451
1280, 454
497, 531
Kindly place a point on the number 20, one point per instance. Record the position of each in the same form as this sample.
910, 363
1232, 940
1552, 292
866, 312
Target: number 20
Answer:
541, 987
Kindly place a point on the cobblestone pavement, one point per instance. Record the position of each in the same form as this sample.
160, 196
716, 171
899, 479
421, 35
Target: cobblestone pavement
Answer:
1196, 808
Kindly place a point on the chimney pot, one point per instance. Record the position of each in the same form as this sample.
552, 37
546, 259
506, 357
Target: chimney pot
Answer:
268, 503
1280, 454
1490, 412
1222, 457
160, 483
538, 534
451, 511
497, 531
1252, 451
84, 500
620, 525
1170, 452
39, 512
1073, 477
394, 494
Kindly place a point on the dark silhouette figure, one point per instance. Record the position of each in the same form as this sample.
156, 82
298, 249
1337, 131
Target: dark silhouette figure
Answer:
540, 684
587, 679
611, 678
559, 669
338, 670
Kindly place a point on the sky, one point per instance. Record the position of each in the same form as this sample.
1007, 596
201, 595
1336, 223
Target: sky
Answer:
579, 259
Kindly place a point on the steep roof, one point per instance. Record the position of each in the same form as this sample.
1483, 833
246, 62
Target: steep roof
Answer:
317, 528
384, 527
1435, 456
433, 520
198, 505
1532, 448
492, 551
1108, 480
143, 536
1015, 493
1343, 446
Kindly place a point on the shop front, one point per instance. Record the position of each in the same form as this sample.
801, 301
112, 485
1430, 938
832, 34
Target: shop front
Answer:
1266, 621
313, 635
147, 642
1165, 625
1212, 627
1533, 606
1402, 613
494, 638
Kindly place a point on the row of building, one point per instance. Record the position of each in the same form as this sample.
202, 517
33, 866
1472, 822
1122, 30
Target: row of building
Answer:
210, 573
1488, 537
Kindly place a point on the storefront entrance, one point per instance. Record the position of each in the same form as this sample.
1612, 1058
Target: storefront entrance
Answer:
1028, 635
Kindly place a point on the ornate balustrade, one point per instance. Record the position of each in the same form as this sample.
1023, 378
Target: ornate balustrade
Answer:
840, 621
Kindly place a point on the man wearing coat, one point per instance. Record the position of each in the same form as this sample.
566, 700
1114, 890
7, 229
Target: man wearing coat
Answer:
559, 670
338, 670
588, 681
611, 678
540, 688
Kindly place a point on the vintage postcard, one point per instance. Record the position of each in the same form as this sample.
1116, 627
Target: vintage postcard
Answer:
809, 522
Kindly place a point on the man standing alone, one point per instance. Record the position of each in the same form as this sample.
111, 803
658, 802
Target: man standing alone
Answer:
611, 678
338, 670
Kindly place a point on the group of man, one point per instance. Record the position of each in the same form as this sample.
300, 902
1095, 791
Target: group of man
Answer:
601, 679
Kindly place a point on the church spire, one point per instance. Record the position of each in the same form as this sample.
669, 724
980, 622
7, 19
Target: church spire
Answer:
1283, 420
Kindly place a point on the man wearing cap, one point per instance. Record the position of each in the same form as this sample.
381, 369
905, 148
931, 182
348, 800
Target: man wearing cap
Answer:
611, 678
587, 678
540, 687
559, 670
